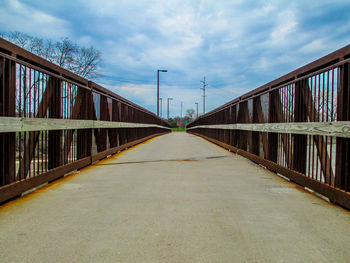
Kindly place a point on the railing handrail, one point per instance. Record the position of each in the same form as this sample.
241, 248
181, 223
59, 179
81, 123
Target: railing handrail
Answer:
325, 61
53, 121
296, 125
24, 55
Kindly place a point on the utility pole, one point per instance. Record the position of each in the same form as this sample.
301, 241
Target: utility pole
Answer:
181, 110
168, 107
161, 107
197, 108
204, 85
159, 70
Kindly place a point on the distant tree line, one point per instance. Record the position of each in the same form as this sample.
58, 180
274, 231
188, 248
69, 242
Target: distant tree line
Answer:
65, 53
182, 122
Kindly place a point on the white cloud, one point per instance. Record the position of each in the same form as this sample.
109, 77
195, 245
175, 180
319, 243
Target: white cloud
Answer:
138, 39
284, 28
21, 17
316, 45
237, 45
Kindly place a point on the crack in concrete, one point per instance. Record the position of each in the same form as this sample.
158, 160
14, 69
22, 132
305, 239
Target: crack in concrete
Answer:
192, 159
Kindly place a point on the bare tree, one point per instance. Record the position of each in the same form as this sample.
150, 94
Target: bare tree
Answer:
190, 113
49, 51
18, 38
80, 60
65, 53
87, 61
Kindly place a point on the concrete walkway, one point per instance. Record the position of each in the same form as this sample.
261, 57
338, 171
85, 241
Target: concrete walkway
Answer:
176, 198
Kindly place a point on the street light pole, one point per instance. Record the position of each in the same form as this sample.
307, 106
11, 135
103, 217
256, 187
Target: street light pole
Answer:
181, 110
197, 108
161, 107
168, 107
159, 70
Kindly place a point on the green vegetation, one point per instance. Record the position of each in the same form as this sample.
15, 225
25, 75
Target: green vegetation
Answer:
172, 123
178, 129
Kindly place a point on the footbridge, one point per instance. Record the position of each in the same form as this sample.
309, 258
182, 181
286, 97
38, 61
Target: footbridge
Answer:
88, 176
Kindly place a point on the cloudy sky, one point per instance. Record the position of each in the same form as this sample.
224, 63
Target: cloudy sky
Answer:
237, 45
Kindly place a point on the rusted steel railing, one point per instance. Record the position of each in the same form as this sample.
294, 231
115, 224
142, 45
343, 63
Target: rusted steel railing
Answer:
53, 122
297, 125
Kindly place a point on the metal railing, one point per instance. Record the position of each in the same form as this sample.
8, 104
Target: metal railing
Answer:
53, 122
297, 125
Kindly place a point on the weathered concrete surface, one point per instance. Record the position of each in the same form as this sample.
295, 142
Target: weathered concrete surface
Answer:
213, 207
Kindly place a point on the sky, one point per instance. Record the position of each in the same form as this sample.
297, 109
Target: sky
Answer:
236, 45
